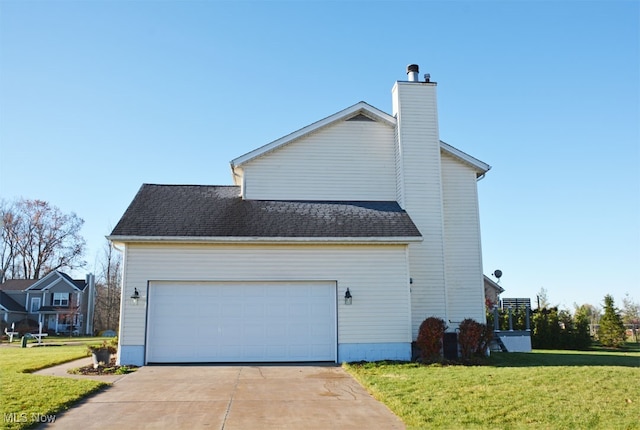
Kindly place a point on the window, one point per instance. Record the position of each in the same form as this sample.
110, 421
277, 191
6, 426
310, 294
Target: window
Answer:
35, 304
60, 299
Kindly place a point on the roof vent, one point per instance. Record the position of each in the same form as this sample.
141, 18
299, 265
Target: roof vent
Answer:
412, 72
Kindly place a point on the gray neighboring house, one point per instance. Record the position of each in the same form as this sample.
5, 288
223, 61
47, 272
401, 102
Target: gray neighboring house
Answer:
60, 303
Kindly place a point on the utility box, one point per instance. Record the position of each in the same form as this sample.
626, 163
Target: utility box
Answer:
450, 346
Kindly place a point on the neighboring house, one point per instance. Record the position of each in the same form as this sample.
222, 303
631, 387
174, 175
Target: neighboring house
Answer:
492, 291
10, 310
361, 202
60, 303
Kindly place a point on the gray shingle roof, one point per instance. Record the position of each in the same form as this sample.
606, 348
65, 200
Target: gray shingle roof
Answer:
219, 211
9, 304
17, 284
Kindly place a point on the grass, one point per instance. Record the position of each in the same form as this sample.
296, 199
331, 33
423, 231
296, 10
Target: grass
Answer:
543, 389
23, 394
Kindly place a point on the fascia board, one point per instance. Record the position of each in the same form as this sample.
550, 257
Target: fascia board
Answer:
480, 166
2, 307
43, 280
262, 240
64, 281
358, 107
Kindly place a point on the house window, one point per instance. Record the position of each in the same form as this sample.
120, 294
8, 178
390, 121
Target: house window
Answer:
60, 299
35, 304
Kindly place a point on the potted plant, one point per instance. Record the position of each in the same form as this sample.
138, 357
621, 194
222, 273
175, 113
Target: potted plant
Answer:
101, 353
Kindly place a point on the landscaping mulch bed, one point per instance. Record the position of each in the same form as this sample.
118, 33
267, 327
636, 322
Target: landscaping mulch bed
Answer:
111, 369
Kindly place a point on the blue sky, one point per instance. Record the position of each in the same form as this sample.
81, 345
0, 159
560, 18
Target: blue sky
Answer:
99, 97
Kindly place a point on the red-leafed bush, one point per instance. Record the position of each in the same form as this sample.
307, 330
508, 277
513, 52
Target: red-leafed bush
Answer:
487, 336
472, 338
430, 337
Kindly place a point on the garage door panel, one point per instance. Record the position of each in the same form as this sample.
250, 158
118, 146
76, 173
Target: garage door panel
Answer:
209, 322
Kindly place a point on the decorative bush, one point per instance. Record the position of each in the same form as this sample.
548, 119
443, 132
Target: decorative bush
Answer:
430, 337
104, 346
470, 337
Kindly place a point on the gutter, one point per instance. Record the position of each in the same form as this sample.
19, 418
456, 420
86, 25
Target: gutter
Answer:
266, 240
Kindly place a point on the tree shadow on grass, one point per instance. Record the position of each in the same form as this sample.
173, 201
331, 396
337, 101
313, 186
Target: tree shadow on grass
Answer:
559, 358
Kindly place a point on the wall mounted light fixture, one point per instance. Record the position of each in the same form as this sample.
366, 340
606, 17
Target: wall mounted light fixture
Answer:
348, 298
135, 296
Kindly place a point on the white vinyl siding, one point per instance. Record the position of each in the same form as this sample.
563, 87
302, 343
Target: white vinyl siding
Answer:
465, 282
419, 146
349, 160
399, 169
376, 276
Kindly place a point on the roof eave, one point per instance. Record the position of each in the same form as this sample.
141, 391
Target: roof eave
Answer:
261, 240
480, 166
494, 284
5, 309
60, 277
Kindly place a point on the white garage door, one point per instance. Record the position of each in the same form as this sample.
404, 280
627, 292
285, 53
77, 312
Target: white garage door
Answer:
241, 322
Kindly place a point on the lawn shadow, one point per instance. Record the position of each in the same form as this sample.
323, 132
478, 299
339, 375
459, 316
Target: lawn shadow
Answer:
557, 358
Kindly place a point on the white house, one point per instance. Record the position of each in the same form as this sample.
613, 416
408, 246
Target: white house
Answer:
360, 201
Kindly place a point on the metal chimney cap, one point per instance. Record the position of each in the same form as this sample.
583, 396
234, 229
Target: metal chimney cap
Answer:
412, 68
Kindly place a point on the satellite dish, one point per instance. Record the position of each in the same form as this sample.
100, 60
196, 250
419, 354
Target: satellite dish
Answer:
497, 274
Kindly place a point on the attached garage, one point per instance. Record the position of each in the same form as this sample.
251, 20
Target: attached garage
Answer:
241, 321
262, 281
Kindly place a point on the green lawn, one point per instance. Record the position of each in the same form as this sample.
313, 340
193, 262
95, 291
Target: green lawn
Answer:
23, 394
542, 389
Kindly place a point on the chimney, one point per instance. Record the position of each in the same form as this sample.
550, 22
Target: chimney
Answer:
412, 72
419, 189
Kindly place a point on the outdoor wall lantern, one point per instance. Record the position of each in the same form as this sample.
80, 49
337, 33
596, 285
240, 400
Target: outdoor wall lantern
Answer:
135, 296
347, 297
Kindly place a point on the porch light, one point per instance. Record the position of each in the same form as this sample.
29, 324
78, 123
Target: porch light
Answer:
135, 296
347, 297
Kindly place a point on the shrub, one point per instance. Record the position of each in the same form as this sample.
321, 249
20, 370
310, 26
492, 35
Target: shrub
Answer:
582, 336
611, 331
470, 334
546, 329
487, 335
104, 346
27, 326
430, 337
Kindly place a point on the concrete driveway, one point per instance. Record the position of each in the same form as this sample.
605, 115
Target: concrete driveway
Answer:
231, 397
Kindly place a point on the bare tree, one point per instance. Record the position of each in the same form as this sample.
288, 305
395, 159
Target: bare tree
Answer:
8, 240
631, 315
543, 299
107, 313
37, 238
